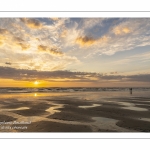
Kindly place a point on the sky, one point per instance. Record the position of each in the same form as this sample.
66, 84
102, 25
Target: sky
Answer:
74, 52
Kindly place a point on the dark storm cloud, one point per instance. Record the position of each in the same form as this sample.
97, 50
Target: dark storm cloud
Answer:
22, 74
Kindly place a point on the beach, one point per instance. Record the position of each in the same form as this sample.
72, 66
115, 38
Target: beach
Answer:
88, 111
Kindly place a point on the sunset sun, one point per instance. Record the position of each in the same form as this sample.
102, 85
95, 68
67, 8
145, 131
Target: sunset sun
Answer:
36, 82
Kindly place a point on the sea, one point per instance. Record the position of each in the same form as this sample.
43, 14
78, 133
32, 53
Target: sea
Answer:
71, 89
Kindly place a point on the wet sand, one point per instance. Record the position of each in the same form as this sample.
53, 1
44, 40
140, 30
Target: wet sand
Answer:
76, 113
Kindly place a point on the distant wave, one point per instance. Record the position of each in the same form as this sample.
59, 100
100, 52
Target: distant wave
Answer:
76, 89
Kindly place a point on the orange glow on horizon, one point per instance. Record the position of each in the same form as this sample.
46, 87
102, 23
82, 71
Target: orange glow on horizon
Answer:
43, 83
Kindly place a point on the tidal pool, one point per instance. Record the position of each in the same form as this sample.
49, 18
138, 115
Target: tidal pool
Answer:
131, 106
94, 105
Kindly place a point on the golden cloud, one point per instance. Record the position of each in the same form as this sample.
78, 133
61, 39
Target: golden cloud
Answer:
8, 38
63, 34
2, 38
20, 42
89, 41
32, 23
3, 34
52, 50
103, 39
1, 43
55, 19
18, 39
23, 46
42, 48
17, 26
85, 41
121, 30
3, 31
37, 39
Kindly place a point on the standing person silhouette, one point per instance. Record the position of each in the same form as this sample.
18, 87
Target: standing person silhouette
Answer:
130, 90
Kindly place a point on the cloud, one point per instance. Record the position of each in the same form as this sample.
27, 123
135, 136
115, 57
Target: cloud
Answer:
6, 37
43, 45
88, 23
3, 31
3, 34
21, 43
59, 67
127, 78
32, 23
7, 63
85, 41
53, 50
114, 72
17, 74
23, 46
30, 75
126, 35
1, 43
54, 19
89, 41
121, 30
66, 33
63, 34
69, 37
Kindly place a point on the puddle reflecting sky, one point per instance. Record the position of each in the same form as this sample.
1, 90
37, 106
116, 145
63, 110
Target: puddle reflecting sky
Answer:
20, 108
54, 109
94, 105
131, 106
135, 108
145, 119
107, 124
